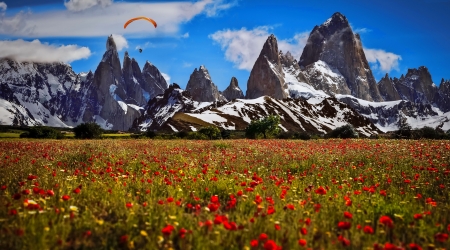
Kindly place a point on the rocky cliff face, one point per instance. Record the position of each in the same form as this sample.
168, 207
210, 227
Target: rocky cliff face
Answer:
387, 89
267, 77
52, 94
133, 80
233, 91
334, 43
163, 107
416, 86
442, 98
202, 88
154, 83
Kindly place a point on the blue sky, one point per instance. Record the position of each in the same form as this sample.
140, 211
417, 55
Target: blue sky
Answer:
224, 35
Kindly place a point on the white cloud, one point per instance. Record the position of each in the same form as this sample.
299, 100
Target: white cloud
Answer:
166, 76
362, 30
93, 22
3, 6
382, 60
187, 65
242, 47
79, 5
185, 35
214, 7
35, 51
120, 41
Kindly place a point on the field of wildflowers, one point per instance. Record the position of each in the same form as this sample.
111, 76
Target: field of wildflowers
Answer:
231, 194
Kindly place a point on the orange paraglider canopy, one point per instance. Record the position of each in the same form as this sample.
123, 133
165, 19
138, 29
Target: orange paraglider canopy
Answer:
138, 18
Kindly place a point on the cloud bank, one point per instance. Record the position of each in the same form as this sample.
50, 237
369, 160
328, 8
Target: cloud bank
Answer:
35, 51
96, 18
242, 47
79, 5
3, 6
384, 61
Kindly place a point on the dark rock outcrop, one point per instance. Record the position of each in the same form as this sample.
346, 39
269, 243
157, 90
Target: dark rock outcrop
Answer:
387, 89
416, 86
233, 91
442, 98
202, 88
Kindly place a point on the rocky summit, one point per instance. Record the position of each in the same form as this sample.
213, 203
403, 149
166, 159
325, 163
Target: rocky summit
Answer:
202, 88
266, 76
335, 44
233, 91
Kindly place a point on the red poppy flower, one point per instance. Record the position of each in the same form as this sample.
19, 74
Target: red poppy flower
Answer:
386, 220
254, 243
308, 221
182, 232
442, 237
65, 197
348, 203
368, 230
303, 231
277, 227
321, 191
263, 237
270, 210
302, 242
16, 196
348, 215
129, 205
271, 245
123, 239
344, 225
167, 230
418, 216
77, 190
414, 246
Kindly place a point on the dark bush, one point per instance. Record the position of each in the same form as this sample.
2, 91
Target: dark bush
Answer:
286, 135
426, 133
197, 136
182, 134
88, 131
225, 134
150, 134
344, 132
42, 132
302, 135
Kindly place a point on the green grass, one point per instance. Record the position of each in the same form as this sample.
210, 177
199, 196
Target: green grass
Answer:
9, 135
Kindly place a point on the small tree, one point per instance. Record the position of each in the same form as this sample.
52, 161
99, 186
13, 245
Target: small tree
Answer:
212, 132
404, 129
89, 130
344, 132
265, 126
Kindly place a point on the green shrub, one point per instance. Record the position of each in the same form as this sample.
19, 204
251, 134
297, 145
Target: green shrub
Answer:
42, 132
302, 135
344, 132
197, 136
88, 131
211, 132
182, 134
